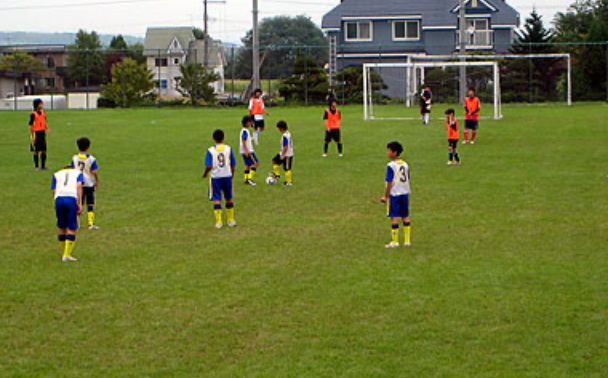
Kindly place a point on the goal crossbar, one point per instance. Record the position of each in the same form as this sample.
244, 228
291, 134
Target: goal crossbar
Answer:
368, 87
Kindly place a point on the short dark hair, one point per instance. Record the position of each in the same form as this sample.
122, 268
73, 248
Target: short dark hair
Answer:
395, 147
332, 101
83, 143
257, 90
472, 89
218, 136
450, 111
37, 103
246, 120
282, 125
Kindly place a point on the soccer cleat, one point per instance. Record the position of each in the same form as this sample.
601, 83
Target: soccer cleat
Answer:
392, 245
472, 142
44, 168
324, 155
250, 182
38, 169
219, 226
450, 163
232, 224
407, 245
287, 184
93, 227
68, 259
274, 176
465, 141
340, 155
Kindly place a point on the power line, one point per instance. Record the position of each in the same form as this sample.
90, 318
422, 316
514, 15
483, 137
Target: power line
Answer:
80, 5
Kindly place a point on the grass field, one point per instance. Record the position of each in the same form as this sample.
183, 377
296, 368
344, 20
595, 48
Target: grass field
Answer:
508, 275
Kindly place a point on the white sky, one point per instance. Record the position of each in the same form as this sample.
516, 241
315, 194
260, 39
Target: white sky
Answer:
229, 19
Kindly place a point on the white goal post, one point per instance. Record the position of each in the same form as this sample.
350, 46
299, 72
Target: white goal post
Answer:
411, 71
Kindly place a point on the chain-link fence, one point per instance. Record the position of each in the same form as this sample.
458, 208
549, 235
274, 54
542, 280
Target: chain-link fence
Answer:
300, 75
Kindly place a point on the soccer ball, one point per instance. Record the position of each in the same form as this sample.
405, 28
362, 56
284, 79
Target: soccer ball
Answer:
271, 180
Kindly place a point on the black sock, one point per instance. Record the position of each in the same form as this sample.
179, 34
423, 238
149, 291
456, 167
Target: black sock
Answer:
340, 147
36, 160
451, 156
326, 147
456, 156
43, 159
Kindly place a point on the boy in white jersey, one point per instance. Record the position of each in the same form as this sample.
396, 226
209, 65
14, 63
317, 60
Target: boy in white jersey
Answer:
285, 157
246, 149
397, 194
67, 190
87, 164
222, 165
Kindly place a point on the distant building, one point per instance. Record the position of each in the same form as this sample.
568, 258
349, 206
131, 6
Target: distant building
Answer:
363, 31
54, 59
166, 49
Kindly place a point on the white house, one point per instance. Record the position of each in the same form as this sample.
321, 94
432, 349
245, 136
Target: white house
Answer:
167, 48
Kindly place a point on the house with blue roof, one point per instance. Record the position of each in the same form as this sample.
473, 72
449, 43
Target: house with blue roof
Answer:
364, 31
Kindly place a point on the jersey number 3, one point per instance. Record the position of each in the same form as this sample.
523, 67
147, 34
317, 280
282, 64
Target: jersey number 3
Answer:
402, 174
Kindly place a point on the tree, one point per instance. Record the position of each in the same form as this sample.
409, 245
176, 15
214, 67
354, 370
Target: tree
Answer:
86, 59
198, 33
585, 22
283, 35
532, 79
20, 62
131, 83
352, 78
307, 79
118, 43
196, 84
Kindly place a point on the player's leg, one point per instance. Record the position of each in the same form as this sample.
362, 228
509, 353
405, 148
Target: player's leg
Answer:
466, 131
276, 166
287, 168
36, 160
61, 237
70, 211
227, 190
405, 217
451, 152
338, 140
215, 195
393, 206
254, 167
455, 152
90, 199
327, 141
475, 126
41, 140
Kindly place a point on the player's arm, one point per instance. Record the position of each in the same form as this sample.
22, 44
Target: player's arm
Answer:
96, 175
325, 118
208, 164
232, 163
80, 182
244, 143
390, 176
32, 120
285, 147
478, 108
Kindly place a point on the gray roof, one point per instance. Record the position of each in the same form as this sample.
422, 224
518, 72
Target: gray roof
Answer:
433, 12
161, 38
216, 53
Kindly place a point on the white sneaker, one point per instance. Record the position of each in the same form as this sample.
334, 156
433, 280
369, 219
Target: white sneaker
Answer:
94, 227
219, 226
340, 155
287, 184
407, 245
465, 141
450, 163
69, 259
472, 142
231, 224
392, 245
250, 182
324, 155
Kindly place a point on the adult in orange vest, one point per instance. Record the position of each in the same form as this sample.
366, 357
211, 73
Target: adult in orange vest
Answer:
333, 118
471, 108
257, 110
453, 136
38, 132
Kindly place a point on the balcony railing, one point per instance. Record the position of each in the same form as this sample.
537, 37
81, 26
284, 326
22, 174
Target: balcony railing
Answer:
479, 39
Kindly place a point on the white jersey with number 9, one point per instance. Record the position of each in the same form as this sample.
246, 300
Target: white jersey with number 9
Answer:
221, 161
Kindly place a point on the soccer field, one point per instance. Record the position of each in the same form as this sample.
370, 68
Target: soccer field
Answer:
507, 276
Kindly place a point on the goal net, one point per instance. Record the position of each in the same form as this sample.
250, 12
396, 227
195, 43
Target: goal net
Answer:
392, 91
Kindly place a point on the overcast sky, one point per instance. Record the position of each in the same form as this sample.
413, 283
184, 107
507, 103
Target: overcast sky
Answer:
229, 19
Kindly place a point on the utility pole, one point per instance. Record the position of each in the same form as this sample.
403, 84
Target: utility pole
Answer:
463, 50
206, 58
256, 47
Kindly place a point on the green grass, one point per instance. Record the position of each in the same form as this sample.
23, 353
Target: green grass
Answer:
508, 276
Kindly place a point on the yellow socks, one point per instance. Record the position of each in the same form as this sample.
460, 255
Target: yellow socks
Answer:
61, 239
230, 214
277, 170
247, 175
70, 241
252, 174
395, 234
288, 177
407, 230
217, 210
91, 217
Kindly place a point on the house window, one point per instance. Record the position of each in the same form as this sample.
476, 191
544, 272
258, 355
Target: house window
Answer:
406, 30
49, 82
478, 32
160, 62
163, 84
50, 62
176, 61
359, 31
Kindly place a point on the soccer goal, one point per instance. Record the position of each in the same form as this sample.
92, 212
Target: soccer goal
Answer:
391, 91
